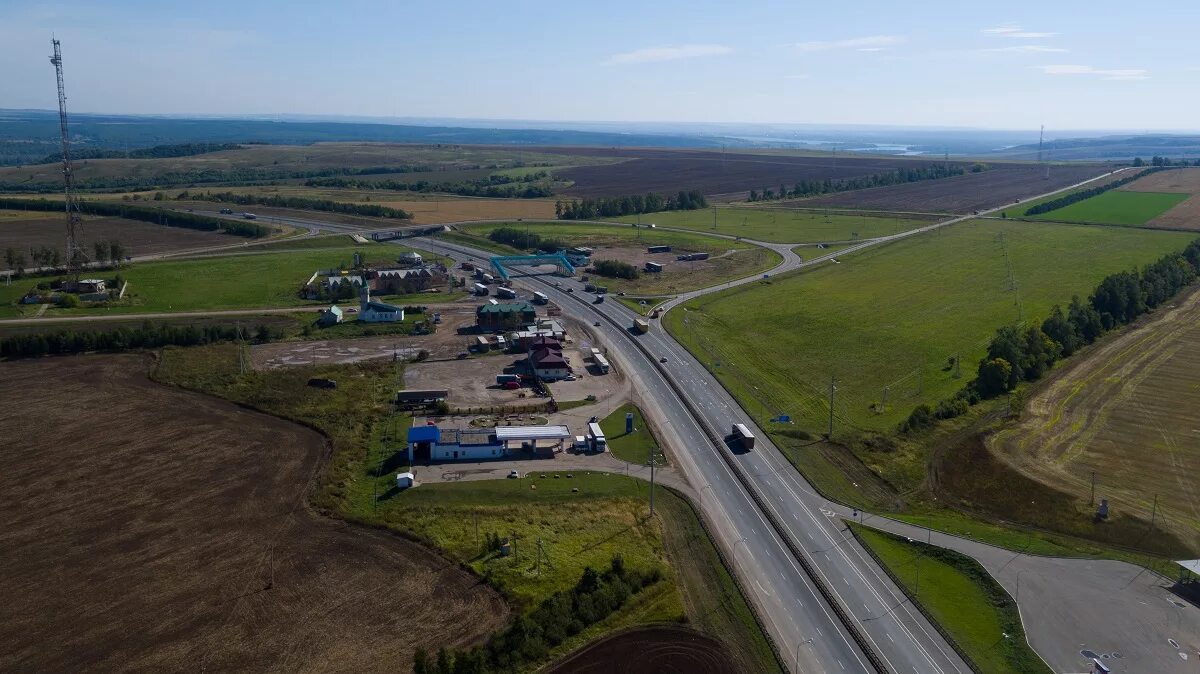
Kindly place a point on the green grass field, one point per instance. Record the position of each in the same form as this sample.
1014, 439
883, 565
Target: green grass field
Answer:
634, 447
893, 315
586, 234
244, 281
1116, 207
962, 598
635, 303
781, 225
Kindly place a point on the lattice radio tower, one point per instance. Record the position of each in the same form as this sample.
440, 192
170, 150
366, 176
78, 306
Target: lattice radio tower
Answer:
75, 254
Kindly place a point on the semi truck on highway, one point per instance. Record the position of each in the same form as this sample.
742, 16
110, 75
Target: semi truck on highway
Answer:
540, 298
641, 326
743, 436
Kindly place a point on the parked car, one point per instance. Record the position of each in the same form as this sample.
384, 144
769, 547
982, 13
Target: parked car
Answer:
514, 474
597, 323
570, 377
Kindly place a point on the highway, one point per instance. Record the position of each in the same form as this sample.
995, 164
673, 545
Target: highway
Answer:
759, 541
824, 601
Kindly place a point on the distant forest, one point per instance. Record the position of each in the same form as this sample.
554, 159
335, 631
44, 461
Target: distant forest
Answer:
156, 152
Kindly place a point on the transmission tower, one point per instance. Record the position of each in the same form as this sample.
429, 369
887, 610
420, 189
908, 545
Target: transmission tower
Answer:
75, 255
1041, 136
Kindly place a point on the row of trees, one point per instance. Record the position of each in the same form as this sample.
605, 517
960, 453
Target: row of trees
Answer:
524, 239
612, 207
812, 188
1018, 354
52, 258
281, 201
1074, 197
528, 186
152, 214
530, 638
121, 339
1164, 161
615, 269
156, 152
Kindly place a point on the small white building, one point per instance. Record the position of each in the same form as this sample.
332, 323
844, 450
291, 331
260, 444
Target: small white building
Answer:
410, 258
404, 480
331, 316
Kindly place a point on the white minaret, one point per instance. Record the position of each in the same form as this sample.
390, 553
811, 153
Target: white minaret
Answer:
364, 296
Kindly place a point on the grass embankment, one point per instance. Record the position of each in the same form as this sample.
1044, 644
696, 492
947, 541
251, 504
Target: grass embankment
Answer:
249, 280
729, 259
635, 303
607, 515
1115, 207
961, 597
635, 447
782, 225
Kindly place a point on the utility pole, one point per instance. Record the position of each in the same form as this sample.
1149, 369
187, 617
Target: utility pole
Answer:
832, 389
1154, 511
1093, 499
883, 404
651, 483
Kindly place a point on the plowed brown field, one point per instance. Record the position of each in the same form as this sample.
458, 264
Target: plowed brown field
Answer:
149, 528
651, 650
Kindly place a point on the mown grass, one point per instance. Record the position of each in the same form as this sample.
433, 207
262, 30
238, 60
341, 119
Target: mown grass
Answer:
635, 303
219, 282
781, 225
1115, 207
892, 316
635, 447
962, 597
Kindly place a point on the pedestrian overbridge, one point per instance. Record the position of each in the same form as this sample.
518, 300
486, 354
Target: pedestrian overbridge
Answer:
562, 264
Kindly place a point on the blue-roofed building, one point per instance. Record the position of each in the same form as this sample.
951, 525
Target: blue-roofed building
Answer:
371, 311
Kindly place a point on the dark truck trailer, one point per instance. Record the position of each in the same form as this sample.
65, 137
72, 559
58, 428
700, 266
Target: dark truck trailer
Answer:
658, 249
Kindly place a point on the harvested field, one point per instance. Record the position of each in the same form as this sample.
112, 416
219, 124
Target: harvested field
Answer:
650, 650
24, 229
729, 175
1185, 216
1185, 180
187, 546
1002, 184
1126, 410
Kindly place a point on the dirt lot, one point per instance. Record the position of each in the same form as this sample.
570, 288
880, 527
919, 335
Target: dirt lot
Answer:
962, 194
445, 343
185, 545
652, 650
677, 276
729, 174
472, 382
23, 229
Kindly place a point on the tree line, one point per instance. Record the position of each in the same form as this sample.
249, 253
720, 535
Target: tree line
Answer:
305, 203
1016, 353
524, 240
813, 188
156, 152
611, 207
496, 185
615, 269
1164, 161
110, 250
159, 216
1075, 197
122, 339
530, 638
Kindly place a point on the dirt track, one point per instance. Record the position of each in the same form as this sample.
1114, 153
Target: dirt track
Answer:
652, 650
148, 528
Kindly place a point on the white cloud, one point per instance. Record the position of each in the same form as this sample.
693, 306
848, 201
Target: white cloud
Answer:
1014, 31
1109, 74
1026, 49
868, 43
654, 54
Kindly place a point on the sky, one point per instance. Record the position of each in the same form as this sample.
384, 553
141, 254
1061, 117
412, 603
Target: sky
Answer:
1005, 65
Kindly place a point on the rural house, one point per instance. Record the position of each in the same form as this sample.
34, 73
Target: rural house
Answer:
331, 316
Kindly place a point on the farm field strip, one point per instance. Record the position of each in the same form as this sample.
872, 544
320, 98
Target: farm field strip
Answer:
1124, 411
1115, 207
965, 193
